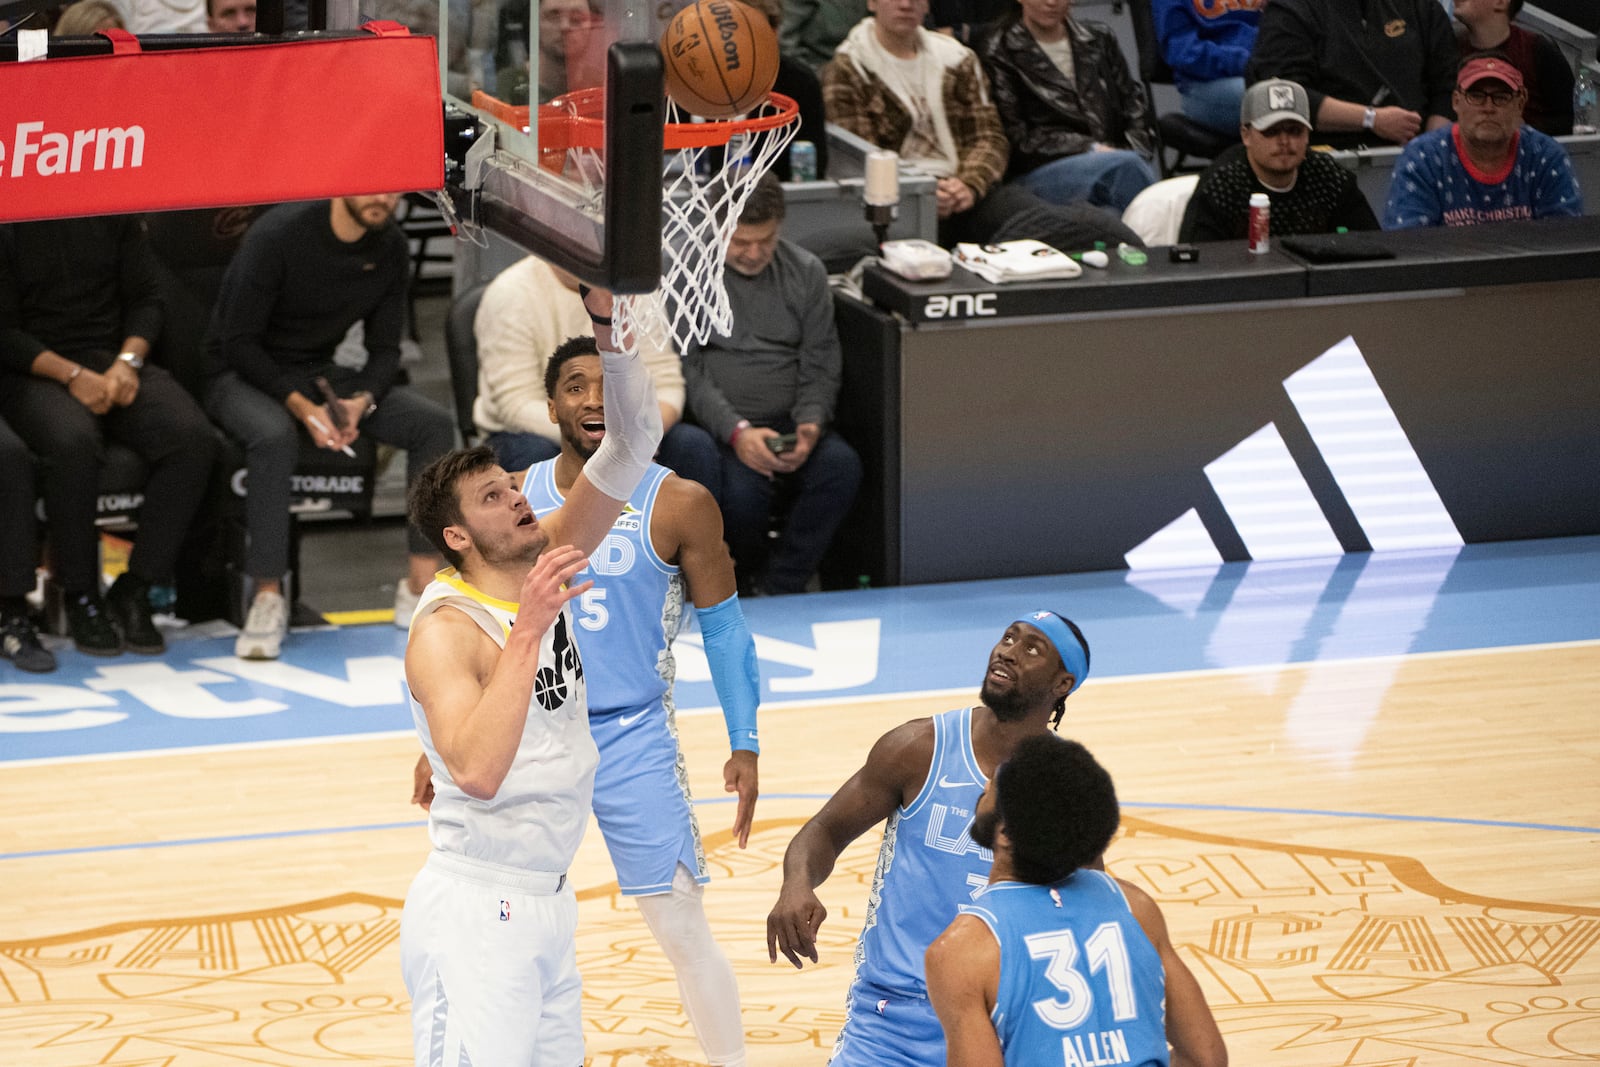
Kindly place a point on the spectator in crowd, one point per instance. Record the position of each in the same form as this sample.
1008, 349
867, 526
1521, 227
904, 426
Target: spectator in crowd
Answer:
1486, 27
1208, 45
19, 551
304, 274
1377, 71
564, 43
1076, 120
812, 29
767, 393
1309, 193
1488, 166
526, 313
1047, 814
924, 95
231, 16
87, 17
79, 309
164, 16
800, 83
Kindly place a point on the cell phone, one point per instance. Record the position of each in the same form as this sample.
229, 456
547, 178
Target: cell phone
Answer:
331, 398
782, 443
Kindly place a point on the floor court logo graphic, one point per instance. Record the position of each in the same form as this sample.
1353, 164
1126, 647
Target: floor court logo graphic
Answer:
1310, 958
1269, 501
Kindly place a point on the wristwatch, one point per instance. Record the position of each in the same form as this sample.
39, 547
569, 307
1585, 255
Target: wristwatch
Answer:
1369, 119
132, 359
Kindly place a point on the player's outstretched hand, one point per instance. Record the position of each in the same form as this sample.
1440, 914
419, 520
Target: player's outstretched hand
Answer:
792, 927
546, 588
422, 783
739, 775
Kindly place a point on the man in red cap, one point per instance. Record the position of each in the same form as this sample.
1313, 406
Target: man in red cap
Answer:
1486, 167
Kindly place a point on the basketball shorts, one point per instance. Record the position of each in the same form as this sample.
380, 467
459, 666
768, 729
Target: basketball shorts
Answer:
883, 1029
490, 959
641, 800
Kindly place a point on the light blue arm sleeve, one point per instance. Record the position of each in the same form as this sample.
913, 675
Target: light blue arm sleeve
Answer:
731, 653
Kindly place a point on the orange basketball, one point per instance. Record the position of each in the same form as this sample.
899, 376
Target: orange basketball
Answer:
721, 58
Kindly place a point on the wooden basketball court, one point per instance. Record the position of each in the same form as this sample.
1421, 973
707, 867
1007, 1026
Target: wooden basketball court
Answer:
1379, 862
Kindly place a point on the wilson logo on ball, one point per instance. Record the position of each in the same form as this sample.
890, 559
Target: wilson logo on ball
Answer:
721, 58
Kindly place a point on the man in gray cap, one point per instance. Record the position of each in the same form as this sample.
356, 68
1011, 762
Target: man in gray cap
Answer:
1309, 193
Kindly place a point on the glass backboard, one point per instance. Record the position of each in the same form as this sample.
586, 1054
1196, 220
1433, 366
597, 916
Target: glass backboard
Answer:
571, 91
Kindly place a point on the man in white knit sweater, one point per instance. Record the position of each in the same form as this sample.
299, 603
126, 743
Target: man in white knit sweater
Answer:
526, 312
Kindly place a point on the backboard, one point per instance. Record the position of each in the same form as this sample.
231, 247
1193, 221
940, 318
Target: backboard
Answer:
596, 211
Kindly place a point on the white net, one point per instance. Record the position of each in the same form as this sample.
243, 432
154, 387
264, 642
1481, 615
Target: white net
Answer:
704, 190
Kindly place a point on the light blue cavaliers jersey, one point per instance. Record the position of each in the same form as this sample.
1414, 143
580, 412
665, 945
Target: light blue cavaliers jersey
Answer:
626, 623
928, 864
1080, 983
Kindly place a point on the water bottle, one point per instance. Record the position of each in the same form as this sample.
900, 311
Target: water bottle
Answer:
1260, 222
1585, 108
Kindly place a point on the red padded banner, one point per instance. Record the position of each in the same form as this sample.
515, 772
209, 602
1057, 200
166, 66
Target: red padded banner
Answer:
252, 124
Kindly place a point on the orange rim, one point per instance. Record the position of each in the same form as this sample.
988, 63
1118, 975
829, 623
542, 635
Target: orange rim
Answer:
575, 121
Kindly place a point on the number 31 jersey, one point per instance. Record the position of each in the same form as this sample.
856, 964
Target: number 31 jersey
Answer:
1080, 983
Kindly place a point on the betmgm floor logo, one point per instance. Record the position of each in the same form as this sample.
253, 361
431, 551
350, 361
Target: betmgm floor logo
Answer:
1266, 495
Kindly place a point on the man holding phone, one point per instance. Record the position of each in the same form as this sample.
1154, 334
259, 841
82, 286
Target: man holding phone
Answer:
767, 392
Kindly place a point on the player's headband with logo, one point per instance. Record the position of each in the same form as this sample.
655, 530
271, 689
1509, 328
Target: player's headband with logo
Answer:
1074, 656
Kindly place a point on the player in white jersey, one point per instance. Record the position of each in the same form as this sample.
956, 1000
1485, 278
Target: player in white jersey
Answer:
669, 535
488, 934
1054, 963
923, 779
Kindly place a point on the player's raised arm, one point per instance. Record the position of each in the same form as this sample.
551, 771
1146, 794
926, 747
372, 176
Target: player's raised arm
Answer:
1191, 1029
898, 760
475, 696
633, 431
963, 968
707, 567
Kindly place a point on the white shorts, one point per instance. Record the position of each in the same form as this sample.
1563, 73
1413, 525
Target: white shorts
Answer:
490, 960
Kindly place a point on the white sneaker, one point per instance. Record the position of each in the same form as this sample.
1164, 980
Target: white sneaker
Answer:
405, 604
264, 627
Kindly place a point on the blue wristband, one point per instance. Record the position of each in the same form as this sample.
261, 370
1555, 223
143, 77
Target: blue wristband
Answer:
731, 653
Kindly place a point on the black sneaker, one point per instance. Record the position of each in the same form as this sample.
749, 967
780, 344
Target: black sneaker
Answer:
128, 600
19, 643
90, 626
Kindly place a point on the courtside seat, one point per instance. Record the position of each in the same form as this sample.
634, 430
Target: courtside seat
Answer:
461, 347
1174, 130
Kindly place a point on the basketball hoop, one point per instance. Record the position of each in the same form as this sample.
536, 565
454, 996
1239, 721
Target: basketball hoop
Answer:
701, 201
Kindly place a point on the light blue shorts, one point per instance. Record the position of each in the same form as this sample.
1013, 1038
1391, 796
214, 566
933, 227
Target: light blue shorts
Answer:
641, 800
883, 1029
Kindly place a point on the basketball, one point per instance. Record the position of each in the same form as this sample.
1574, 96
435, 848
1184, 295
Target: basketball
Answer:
721, 58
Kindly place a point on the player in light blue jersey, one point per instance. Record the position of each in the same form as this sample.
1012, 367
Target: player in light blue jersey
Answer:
1055, 963
924, 779
669, 535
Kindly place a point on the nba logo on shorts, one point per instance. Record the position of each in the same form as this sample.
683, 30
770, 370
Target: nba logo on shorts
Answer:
505, 911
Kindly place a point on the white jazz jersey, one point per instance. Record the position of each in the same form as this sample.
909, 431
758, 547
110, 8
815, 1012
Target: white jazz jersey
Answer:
537, 819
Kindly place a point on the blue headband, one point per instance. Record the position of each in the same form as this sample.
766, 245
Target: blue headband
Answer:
1074, 656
